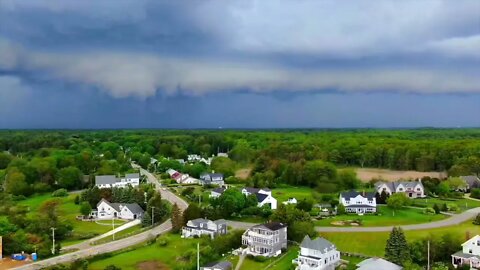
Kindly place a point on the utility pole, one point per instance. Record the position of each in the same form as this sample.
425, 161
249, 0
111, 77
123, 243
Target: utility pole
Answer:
53, 240
428, 255
198, 256
153, 215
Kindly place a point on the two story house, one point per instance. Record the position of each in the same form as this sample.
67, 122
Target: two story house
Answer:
413, 189
264, 196
223, 265
266, 239
469, 255
472, 181
181, 178
111, 181
212, 179
108, 210
318, 254
360, 203
200, 226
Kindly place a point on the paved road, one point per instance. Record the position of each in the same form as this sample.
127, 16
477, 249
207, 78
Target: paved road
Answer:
451, 221
89, 251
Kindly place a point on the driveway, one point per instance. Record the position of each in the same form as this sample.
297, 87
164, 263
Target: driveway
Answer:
86, 251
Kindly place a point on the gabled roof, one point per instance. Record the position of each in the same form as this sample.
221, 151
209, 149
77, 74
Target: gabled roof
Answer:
319, 244
105, 179
473, 239
134, 208
376, 264
251, 190
273, 226
132, 175
219, 190
471, 180
212, 175
261, 197
353, 194
393, 185
115, 206
223, 265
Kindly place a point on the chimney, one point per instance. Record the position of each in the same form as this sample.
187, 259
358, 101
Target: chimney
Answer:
363, 193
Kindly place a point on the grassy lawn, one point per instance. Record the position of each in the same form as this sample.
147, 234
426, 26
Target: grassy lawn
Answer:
463, 203
68, 210
166, 256
401, 217
356, 242
299, 193
284, 261
125, 233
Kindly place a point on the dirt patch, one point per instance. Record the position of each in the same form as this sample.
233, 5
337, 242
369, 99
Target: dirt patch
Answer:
152, 265
367, 174
7, 263
243, 173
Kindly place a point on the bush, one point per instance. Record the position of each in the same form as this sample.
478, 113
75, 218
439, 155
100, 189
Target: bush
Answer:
258, 258
475, 193
429, 210
163, 241
453, 207
476, 221
60, 193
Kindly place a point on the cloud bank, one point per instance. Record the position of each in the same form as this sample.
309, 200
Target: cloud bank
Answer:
142, 48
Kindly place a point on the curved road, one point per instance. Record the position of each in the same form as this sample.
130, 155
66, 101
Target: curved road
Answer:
451, 221
88, 251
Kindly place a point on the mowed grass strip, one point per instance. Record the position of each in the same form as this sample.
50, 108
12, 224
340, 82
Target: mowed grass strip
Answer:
373, 243
387, 217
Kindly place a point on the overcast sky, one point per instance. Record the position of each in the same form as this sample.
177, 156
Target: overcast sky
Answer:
239, 64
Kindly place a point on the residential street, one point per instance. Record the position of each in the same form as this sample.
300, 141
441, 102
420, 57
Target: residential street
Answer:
86, 251
451, 221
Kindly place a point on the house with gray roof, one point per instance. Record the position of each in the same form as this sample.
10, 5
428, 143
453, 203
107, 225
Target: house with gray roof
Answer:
108, 210
317, 254
469, 255
376, 264
212, 179
263, 195
198, 227
265, 239
111, 181
413, 189
472, 182
224, 265
360, 203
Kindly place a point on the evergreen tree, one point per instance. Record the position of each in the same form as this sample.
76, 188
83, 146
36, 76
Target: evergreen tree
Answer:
436, 208
476, 221
397, 250
177, 219
147, 219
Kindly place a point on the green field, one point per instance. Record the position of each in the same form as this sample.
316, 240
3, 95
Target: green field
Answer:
167, 257
402, 217
373, 243
463, 203
68, 210
299, 193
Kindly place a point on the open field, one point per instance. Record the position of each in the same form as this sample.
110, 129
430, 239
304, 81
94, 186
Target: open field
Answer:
402, 217
300, 193
367, 174
356, 242
243, 173
463, 203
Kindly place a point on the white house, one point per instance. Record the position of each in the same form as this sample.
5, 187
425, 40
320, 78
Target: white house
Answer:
224, 265
266, 240
222, 155
194, 158
217, 192
264, 196
413, 189
290, 201
127, 211
318, 254
181, 178
212, 179
360, 203
200, 226
111, 181
469, 255
377, 264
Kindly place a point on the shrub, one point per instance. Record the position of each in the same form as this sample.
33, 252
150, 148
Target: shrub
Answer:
60, 193
429, 210
163, 241
475, 193
112, 267
453, 207
476, 221
436, 208
258, 258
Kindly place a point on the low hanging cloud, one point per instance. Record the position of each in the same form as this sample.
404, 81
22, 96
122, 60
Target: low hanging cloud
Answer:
124, 74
